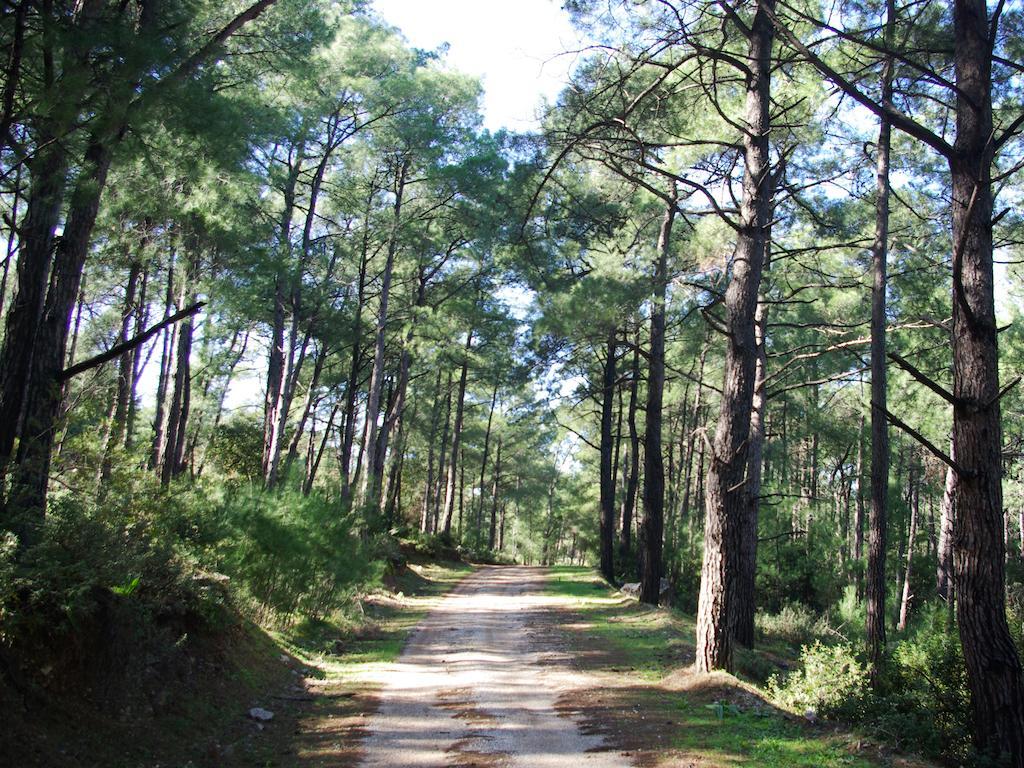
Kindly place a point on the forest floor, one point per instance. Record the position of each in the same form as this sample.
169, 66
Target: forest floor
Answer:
458, 665
548, 668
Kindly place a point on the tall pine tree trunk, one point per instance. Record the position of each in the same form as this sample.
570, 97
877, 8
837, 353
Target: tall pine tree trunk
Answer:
633, 468
117, 425
495, 489
915, 503
653, 531
369, 493
878, 513
947, 513
43, 404
607, 479
724, 495
453, 464
745, 599
994, 674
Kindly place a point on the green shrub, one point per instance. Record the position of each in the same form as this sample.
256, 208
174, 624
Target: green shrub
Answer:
831, 682
795, 625
851, 613
287, 553
924, 702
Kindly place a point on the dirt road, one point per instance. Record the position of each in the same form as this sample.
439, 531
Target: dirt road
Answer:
478, 682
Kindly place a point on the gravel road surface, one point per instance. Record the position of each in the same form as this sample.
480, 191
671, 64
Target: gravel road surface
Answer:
478, 683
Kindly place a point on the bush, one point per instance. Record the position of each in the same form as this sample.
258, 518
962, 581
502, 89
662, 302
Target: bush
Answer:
795, 624
924, 700
851, 613
101, 605
288, 554
832, 683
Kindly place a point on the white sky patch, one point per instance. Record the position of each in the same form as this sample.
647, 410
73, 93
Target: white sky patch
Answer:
516, 48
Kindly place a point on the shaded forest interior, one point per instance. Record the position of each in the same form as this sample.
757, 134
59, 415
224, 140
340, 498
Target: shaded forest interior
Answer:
739, 322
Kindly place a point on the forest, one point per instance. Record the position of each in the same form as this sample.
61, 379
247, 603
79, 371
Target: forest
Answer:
740, 324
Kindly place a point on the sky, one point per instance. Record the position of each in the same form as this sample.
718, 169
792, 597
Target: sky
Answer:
517, 48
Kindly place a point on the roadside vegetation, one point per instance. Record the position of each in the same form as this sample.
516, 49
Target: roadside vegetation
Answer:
739, 321
783, 708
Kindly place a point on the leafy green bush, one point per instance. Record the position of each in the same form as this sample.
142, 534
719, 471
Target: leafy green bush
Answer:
924, 701
287, 553
795, 625
237, 448
178, 555
84, 552
437, 546
850, 613
831, 682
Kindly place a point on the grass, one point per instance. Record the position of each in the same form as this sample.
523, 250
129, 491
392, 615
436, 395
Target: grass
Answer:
652, 704
375, 632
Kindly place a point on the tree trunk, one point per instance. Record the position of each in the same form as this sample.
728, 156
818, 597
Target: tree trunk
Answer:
915, 503
276, 363
744, 603
449, 498
691, 444
947, 515
44, 201
442, 477
483, 463
125, 369
428, 490
320, 356
356, 366
607, 480
994, 673
370, 489
633, 476
29, 483
858, 522
180, 404
878, 514
138, 362
725, 496
494, 498
653, 530
169, 345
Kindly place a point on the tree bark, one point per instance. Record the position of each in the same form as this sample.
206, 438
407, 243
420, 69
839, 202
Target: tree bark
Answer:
858, 522
947, 515
442, 477
368, 493
169, 344
428, 489
449, 497
607, 479
125, 367
273, 403
44, 201
633, 470
653, 530
483, 464
744, 604
356, 366
915, 503
174, 463
494, 498
878, 513
724, 496
994, 673
31, 478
